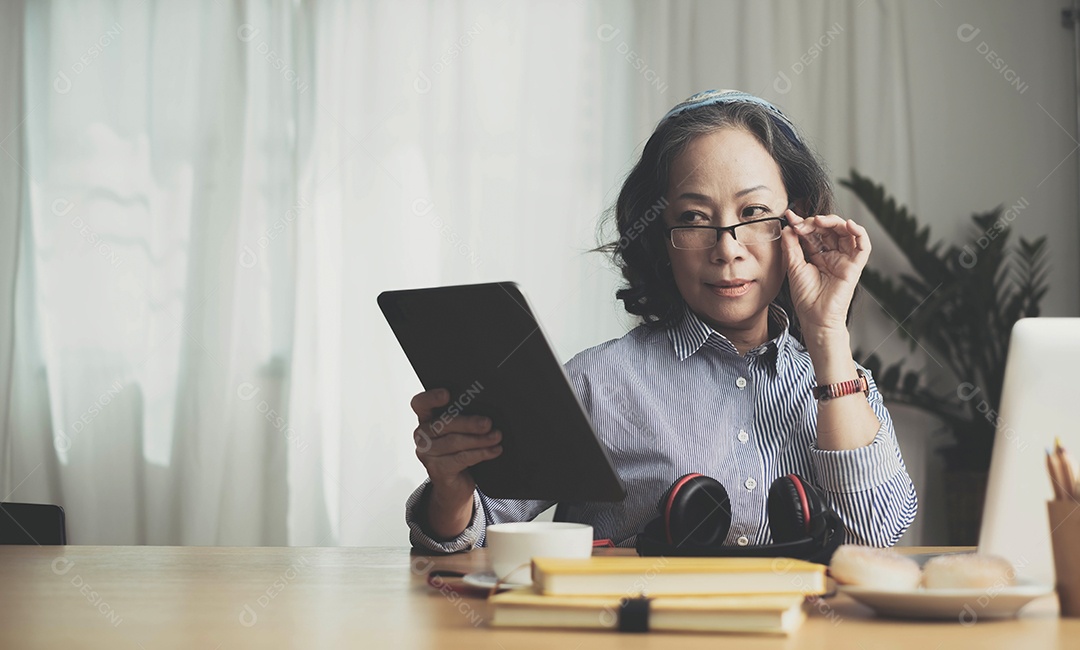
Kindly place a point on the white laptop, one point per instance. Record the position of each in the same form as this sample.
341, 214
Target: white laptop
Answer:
1040, 400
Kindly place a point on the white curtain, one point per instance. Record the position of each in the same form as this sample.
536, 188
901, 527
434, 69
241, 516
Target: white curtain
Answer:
216, 195
201, 201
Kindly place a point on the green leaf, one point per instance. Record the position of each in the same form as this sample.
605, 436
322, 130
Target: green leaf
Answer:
891, 377
911, 382
959, 303
901, 226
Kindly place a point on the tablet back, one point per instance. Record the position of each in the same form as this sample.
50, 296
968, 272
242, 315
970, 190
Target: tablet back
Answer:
483, 343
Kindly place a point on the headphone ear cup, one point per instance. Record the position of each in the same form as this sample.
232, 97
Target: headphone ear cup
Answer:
791, 515
818, 508
697, 511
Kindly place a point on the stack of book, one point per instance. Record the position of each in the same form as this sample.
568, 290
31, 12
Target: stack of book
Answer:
637, 594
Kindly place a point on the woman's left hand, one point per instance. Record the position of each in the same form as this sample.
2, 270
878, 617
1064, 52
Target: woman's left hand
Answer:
825, 256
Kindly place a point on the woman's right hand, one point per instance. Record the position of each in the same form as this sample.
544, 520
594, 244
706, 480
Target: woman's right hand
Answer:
448, 447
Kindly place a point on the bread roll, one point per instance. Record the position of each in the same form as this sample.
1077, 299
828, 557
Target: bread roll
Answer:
877, 568
968, 571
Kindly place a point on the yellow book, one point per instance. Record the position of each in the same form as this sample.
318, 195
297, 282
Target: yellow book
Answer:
768, 614
676, 576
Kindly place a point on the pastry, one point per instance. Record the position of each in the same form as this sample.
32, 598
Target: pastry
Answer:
876, 568
968, 571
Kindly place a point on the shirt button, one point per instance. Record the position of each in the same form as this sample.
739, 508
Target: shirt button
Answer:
750, 484
742, 541
743, 436
741, 382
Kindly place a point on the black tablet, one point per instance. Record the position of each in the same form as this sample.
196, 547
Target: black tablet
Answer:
483, 343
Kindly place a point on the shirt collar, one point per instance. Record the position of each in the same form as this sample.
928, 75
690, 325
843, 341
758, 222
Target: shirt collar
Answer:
691, 334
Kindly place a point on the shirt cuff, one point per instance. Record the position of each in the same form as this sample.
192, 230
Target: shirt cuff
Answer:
469, 538
857, 470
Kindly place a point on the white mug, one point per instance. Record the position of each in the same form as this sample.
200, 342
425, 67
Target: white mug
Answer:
512, 546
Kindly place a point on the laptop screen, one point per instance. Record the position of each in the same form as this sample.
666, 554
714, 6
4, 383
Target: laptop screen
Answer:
1039, 401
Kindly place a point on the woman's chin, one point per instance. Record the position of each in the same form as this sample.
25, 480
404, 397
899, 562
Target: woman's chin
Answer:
725, 316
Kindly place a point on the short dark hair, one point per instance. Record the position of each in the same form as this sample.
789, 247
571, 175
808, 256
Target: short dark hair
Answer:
641, 249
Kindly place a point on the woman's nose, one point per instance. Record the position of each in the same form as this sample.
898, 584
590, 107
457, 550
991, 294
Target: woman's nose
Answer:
727, 248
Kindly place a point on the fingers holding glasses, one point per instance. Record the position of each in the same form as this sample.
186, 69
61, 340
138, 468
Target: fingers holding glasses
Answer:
812, 238
860, 242
829, 232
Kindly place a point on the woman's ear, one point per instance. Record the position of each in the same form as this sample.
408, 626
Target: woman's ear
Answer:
801, 207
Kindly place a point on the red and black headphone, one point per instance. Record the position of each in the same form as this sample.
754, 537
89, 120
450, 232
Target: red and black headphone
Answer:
695, 516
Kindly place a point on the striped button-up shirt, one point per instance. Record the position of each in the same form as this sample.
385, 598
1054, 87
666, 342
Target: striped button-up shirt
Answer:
668, 403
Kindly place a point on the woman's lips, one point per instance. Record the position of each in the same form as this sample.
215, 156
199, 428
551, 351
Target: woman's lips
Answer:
731, 291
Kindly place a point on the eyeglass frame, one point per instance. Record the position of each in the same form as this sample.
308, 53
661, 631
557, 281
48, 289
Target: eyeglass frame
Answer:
719, 230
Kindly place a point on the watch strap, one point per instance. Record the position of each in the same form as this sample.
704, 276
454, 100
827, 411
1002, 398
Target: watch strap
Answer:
827, 392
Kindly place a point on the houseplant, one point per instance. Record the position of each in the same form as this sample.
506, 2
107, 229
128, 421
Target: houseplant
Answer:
958, 304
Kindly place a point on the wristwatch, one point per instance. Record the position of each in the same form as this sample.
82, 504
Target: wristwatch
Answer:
849, 387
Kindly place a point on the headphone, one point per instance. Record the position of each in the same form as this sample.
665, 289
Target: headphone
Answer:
695, 516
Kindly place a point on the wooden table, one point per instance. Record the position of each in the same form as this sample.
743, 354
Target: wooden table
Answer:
145, 597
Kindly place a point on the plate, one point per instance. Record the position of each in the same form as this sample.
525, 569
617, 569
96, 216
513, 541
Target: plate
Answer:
964, 605
488, 580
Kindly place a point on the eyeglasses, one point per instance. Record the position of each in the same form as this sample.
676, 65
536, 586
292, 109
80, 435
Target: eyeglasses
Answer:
761, 231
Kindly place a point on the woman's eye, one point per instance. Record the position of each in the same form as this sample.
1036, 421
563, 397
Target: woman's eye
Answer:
690, 216
755, 212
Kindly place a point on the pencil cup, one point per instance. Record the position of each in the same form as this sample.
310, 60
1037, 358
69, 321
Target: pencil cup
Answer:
1065, 538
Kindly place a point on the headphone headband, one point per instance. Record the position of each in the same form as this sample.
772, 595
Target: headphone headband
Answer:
797, 482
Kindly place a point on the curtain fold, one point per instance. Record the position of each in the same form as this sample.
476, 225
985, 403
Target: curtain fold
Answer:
12, 188
147, 173
216, 193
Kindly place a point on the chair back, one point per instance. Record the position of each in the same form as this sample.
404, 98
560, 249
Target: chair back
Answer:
32, 523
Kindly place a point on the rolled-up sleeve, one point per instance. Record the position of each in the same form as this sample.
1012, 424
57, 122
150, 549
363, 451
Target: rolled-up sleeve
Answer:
419, 537
869, 486
486, 511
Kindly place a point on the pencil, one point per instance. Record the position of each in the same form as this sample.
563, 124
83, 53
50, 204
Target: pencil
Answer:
1068, 467
1055, 477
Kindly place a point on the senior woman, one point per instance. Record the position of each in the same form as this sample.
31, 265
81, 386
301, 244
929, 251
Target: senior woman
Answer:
741, 368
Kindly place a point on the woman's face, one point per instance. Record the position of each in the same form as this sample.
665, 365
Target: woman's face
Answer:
723, 178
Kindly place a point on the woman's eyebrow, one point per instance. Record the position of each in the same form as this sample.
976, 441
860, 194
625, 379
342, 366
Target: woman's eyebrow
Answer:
740, 193
750, 189
695, 196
